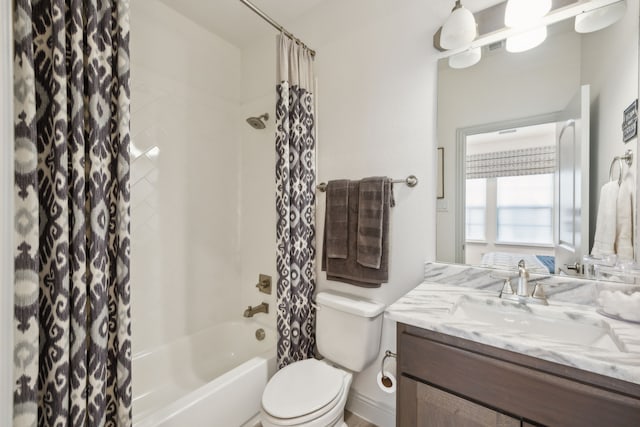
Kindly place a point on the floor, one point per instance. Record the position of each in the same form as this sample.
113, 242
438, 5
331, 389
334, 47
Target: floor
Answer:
355, 421
351, 419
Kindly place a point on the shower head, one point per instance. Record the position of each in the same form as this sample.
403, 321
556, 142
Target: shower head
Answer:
256, 122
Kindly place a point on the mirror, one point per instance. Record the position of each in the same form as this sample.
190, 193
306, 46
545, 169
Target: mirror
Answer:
519, 91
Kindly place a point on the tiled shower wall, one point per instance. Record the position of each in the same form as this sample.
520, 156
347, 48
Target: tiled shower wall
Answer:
185, 167
257, 195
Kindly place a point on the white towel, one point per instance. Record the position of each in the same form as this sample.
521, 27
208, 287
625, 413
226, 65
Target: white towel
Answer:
624, 220
605, 237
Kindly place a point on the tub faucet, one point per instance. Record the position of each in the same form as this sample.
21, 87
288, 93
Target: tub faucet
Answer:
262, 308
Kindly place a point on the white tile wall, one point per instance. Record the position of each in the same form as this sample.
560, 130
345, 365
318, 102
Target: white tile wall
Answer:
184, 176
258, 207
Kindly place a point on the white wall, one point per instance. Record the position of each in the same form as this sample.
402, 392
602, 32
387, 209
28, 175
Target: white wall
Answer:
376, 102
500, 87
184, 176
610, 66
376, 115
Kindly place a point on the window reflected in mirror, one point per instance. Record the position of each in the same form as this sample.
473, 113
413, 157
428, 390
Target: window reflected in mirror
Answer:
524, 206
510, 191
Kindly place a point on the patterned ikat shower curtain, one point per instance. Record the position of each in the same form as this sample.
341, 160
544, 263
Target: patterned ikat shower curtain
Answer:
295, 202
72, 332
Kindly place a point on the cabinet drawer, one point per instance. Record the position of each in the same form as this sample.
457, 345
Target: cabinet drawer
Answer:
512, 388
436, 408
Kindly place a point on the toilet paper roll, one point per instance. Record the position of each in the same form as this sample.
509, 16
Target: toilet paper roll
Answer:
386, 383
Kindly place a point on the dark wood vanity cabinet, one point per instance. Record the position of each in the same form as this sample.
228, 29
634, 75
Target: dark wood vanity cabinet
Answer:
449, 381
435, 407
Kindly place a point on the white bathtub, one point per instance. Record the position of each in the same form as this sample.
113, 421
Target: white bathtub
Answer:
214, 377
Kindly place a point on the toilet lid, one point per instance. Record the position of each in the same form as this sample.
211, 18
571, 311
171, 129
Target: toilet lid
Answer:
301, 388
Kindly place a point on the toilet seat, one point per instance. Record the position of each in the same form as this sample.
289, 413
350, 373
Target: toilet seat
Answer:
289, 400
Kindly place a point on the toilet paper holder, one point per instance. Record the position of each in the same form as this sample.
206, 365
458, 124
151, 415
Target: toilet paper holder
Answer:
386, 381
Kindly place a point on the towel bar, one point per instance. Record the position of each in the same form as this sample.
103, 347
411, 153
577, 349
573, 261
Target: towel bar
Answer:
628, 158
411, 181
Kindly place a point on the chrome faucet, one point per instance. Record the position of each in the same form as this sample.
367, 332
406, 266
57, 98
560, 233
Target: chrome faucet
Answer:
522, 293
523, 280
262, 308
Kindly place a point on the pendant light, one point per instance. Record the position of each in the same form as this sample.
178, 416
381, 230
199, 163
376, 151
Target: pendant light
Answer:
525, 13
600, 18
459, 29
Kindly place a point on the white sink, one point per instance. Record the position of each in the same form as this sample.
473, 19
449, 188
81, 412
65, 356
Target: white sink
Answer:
537, 322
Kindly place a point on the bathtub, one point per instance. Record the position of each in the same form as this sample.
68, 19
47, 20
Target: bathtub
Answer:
214, 377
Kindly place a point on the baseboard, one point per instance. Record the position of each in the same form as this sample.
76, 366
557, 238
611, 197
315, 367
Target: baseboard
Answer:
377, 413
253, 422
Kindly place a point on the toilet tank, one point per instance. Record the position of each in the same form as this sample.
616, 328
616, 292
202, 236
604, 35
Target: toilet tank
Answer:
348, 329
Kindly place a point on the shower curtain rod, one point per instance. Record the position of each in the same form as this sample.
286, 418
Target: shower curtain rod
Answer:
275, 25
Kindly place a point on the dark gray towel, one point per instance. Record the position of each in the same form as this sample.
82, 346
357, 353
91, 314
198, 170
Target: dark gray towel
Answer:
349, 270
370, 219
336, 218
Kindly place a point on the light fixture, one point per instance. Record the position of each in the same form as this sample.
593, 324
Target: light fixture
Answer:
600, 18
525, 13
465, 59
459, 29
527, 40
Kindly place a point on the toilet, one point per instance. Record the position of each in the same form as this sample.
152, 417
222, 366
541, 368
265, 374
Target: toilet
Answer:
313, 393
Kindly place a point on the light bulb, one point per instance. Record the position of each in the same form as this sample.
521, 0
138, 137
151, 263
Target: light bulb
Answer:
525, 13
465, 59
526, 41
600, 18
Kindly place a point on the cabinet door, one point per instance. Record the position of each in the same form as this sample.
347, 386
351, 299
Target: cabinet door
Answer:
436, 408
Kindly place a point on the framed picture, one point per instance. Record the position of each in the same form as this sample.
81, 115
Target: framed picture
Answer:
630, 122
440, 171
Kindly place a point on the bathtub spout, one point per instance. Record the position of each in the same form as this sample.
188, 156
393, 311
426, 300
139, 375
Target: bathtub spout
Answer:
262, 308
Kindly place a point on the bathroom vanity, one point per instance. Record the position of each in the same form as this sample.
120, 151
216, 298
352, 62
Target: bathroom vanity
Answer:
468, 358
445, 380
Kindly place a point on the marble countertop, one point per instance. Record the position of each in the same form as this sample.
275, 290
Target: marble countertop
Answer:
431, 304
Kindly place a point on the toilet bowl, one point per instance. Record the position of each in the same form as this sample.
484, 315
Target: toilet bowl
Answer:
308, 393
313, 393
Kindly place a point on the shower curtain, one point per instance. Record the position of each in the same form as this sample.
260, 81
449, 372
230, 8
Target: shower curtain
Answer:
72, 356
295, 202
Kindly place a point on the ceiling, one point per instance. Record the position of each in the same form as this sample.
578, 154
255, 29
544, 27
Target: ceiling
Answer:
234, 22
